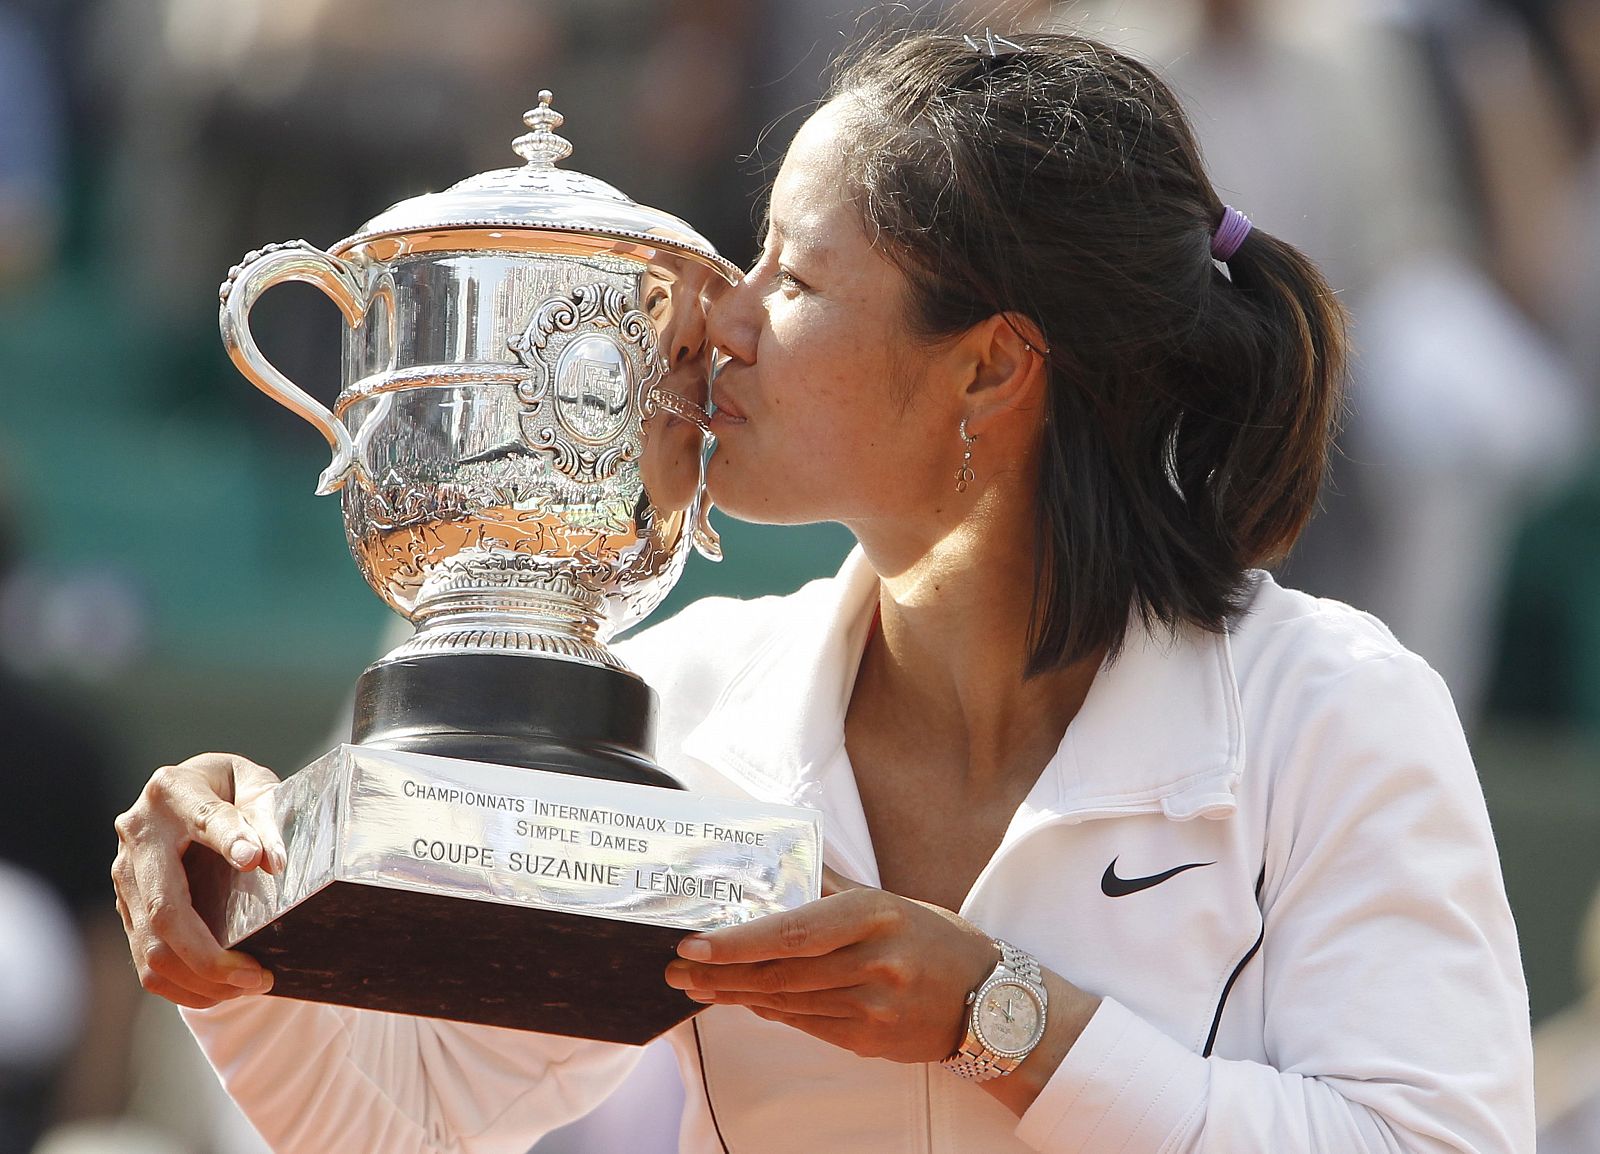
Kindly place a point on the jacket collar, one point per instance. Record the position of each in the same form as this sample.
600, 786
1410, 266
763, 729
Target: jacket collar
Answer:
1159, 732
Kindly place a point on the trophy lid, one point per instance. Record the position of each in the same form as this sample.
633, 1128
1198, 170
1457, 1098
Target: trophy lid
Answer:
540, 197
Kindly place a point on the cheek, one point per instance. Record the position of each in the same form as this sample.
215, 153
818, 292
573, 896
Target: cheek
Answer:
784, 471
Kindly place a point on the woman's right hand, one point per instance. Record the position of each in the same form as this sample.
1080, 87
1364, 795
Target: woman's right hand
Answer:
217, 801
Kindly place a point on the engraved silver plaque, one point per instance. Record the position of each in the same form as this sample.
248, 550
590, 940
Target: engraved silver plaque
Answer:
550, 841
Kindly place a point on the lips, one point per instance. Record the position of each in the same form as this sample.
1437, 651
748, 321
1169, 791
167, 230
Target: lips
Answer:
725, 407
723, 404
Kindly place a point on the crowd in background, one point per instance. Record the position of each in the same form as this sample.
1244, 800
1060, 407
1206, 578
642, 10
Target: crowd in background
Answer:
1439, 158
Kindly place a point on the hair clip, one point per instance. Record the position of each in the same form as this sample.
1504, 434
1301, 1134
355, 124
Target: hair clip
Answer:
989, 42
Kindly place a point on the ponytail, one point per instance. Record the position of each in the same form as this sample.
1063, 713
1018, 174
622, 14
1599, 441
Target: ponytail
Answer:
1271, 463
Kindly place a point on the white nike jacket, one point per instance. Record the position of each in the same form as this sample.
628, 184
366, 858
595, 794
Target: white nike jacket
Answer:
1337, 972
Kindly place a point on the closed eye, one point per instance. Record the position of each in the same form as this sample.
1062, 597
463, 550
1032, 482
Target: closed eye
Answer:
790, 283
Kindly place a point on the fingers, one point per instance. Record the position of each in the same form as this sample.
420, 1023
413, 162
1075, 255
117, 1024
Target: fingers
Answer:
256, 803
249, 779
200, 792
187, 966
817, 928
783, 975
834, 1031
817, 1004
880, 975
174, 952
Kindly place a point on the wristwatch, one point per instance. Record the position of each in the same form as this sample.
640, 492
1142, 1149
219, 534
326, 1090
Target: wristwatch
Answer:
1005, 1019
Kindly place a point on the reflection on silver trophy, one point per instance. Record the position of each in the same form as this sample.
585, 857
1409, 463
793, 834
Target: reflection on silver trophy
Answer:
518, 436
519, 447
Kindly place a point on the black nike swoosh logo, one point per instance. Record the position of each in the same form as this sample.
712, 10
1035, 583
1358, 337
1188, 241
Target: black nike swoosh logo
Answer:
1114, 887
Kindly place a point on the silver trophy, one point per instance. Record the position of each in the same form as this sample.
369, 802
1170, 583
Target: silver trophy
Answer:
518, 442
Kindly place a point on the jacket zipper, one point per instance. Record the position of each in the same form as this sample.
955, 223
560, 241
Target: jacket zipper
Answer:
926, 1145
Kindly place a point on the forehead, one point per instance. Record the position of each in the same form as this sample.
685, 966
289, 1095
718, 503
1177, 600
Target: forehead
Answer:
809, 192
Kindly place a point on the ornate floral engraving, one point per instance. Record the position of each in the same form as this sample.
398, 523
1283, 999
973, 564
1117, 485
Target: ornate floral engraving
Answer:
592, 362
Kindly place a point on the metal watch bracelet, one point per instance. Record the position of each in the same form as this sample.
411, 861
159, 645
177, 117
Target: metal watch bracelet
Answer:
975, 1061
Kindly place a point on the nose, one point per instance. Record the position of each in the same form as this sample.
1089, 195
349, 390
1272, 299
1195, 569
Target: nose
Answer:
679, 307
686, 340
733, 321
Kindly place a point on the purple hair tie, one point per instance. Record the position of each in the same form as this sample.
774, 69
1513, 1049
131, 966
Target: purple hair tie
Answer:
1230, 234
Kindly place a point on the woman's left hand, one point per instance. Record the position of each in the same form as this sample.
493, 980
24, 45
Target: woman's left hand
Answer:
880, 975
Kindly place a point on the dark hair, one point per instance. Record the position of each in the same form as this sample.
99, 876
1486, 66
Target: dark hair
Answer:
1189, 411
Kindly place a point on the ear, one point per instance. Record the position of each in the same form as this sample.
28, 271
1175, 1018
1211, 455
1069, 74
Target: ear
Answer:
1008, 369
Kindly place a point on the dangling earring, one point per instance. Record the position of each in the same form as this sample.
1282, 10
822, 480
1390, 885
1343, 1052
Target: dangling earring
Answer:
964, 475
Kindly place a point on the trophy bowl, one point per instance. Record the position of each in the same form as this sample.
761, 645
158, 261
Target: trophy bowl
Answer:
525, 376
539, 505
518, 444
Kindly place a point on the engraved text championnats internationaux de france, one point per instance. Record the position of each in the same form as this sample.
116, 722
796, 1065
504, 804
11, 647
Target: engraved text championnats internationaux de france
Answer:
578, 843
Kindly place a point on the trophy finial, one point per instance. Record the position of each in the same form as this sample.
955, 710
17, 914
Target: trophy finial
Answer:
542, 147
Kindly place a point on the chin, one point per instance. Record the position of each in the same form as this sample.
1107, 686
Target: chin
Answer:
755, 499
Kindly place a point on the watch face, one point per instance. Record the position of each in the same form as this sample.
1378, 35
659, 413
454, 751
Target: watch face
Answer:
1007, 1018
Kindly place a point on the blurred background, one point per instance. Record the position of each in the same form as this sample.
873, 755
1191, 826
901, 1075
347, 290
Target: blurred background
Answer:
168, 582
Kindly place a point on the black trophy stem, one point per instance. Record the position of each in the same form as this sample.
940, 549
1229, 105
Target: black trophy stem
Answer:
513, 709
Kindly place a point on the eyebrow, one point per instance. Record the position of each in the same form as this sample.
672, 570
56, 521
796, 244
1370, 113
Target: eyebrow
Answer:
812, 240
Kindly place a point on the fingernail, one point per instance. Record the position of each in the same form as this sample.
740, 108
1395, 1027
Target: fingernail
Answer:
251, 980
242, 851
678, 976
700, 995
695, 949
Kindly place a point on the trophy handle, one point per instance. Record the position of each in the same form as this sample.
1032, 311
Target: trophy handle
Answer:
247, 280
706, 541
